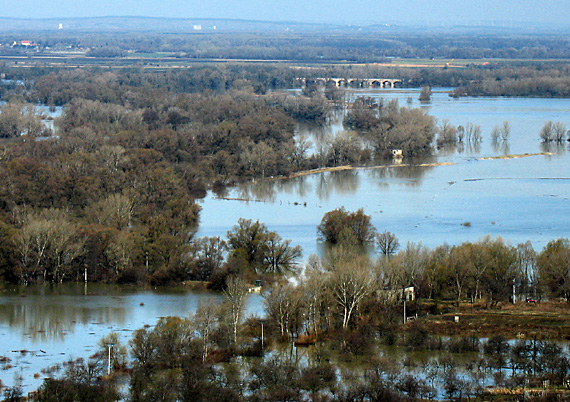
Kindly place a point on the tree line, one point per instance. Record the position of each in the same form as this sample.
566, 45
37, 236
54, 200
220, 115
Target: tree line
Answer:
347, 304
489, 269
368, 45
110, 195
338, 305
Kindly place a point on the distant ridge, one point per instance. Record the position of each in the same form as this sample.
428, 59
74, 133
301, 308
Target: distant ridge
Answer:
159, 24
164, 25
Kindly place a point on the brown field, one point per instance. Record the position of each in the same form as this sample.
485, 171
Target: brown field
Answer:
546, 320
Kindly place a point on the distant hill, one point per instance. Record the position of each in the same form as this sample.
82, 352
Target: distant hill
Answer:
213, 25
160, 25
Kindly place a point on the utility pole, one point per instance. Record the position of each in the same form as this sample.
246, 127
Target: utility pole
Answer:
404, 308
109, 345
514, 293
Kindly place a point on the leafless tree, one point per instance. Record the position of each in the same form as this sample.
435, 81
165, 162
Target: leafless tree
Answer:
235, 293
505, 131
283, 303
350, 282
315, 292
47, 244
559, 131
120, 252
205, 321
280, 256
387, 243
117, 210
526, 264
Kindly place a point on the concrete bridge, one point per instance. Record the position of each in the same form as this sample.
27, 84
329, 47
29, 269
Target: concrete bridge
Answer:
350, 82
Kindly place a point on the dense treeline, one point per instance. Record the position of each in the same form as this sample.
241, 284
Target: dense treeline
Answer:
348, 307
539, 81
496, 78
363, 47
111, 194
488, 270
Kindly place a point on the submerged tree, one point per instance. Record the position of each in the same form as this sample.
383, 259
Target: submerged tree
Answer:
387, 242
341, 226
425, 94
284, 303
260, 249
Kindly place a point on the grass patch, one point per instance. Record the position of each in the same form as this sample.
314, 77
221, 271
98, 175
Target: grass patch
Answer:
547, 320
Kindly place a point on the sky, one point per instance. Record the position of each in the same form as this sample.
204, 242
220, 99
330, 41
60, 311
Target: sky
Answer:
425, 12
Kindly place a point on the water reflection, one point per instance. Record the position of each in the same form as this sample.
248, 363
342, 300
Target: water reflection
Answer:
345, 182
43, 320
554, 147
263, 191
412, 174
469, 148
500, 146
324, 185
327, 185
43, 313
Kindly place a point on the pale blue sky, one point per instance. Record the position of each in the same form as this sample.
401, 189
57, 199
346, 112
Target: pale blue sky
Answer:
462, 12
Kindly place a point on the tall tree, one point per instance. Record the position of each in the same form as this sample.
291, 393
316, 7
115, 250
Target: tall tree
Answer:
235, 293
554, 268
205, 321
247, 240
280, 257
283, 303
350, 282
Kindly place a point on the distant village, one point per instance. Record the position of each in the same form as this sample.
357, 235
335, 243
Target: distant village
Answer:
30, 45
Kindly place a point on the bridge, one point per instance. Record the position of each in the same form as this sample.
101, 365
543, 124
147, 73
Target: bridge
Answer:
350, 82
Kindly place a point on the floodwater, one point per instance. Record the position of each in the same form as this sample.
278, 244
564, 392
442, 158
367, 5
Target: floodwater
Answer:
463, 199
41, 326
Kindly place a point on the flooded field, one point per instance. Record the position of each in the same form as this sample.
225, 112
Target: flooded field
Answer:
459, 194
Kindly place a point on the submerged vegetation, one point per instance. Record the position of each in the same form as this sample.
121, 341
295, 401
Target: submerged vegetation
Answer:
108, 195
338, 335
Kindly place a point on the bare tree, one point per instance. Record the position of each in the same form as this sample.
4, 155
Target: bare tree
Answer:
407, 267
283, 303
280, 256
387, 243
350, 282
474, 132
47, 243
314, 289
505, 131
117, 210
205, 321
559, 131
547, 132
120, 252
526, 265
235, 292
